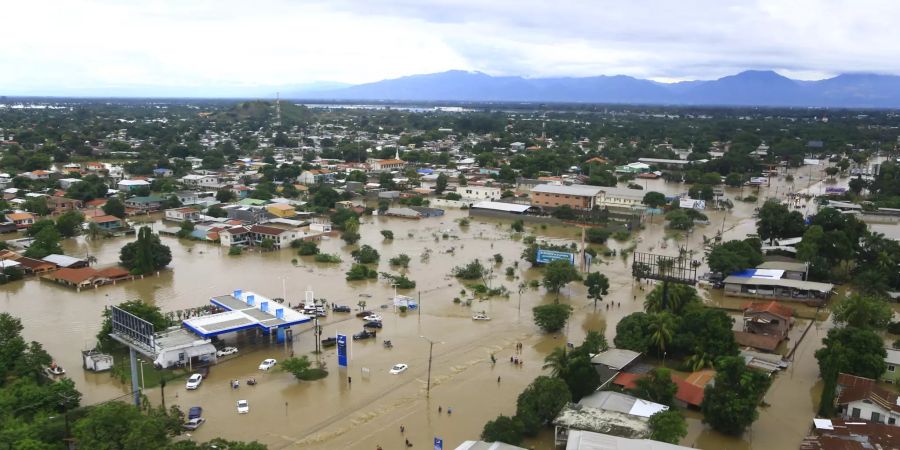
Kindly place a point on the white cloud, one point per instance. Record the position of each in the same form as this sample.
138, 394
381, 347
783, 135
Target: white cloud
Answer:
83, 44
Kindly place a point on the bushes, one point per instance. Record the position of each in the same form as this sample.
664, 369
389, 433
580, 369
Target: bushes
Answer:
327, 258
388, 235
472, 271
551, 318
306, 248
365, 255
234, 251
597, 235
401, 260
361, 272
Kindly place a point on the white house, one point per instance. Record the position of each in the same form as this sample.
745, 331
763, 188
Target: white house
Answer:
130, 185
860, 398
477, 193
194, 180
892, 366
66, 183
182, 214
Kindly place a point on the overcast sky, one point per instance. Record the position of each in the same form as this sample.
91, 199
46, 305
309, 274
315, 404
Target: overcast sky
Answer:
59, 44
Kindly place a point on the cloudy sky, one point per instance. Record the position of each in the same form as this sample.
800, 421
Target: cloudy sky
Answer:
50, 46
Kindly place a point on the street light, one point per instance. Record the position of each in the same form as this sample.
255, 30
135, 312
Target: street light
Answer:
430, 352
142, 373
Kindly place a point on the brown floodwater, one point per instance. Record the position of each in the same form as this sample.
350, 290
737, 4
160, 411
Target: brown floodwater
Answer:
332, 413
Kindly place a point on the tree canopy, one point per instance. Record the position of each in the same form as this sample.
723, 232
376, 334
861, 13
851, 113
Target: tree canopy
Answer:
145, 255
730, 404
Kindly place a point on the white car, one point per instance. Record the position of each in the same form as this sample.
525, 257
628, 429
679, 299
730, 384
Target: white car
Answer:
372, 318
243, 407
227, 351
398, 368
268, 364
194, 381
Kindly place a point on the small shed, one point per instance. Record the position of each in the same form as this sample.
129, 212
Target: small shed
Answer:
95, 361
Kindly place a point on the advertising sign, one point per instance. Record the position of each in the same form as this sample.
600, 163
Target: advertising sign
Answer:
342, 350
545, 256
438, 443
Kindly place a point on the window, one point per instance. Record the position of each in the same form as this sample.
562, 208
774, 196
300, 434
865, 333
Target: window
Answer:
855, 413
890, 367
876, 417
892, 421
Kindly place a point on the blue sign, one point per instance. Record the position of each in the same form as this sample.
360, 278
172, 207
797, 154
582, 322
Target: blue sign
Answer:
438, 443
545, 256
342, 350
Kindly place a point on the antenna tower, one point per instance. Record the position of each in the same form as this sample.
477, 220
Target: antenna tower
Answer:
277, 122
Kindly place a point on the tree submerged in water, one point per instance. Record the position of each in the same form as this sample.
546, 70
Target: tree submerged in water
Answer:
145, 255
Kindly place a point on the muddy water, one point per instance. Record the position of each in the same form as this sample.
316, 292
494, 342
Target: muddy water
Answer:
332, 413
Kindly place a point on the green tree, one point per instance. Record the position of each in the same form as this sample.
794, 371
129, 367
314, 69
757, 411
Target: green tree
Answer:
632, 332
733, 256
146, 311
678, 298
120, 426
679, 219
145, 255
399, 281
729, 405
386, 181
461, 180
662, 328
365, 255
596, 235
225, 196
657, 386
216, 211
518, 226
46, 242
654, 199
440, 185
114, 207
863, 312
69, 223
301, 368
851, 350
668, 426
705, 332
401, 260
776, 221
597, 286
37, 205
350, 235
734, 179
541, 402
559, 273
361, 272
306, 248
89, 188
388, 235
551, 318
472, 271
358, 176
508, 430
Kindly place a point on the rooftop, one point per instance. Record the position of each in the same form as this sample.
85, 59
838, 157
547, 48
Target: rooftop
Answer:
575, 189
244, 310
852, 388
783, 282
784, 265
577, 417
587, 440
501, 206
832, 434
623, 403
616, 358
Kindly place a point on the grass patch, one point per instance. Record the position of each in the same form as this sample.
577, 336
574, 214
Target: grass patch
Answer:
313, 374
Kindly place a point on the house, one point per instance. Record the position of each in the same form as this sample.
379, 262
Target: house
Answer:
21, 219
633, 168
767, 285
835, 434
235, 236
892, 366
384, 165
792, 270
145, 204
476, 193
580, 197
65, 261
247, 214
60, 205
131, 185
690, 391
194, 180
612, 197
255, 234
107, 222
162, 172
85, 277
315, 176
187, 198
588, 440
31, 265
282, 210
37, 175
575, 417
766, 324
182, 214
241, 191
860, 398
609, 363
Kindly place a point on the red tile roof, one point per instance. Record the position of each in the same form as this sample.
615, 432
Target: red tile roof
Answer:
113, 272
95, 203
74, 276
772, 307
854, 388
687, 392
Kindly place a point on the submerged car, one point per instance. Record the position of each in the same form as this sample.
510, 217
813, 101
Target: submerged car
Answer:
267, 364
227, 351
195, 412
329, 342
372, 318
194, 381
398, 368
364, 334
373, 325
194, 423
243, 407
341, 309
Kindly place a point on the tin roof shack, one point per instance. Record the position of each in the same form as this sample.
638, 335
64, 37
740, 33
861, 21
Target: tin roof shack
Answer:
609, 363
808, 292
585, 418
587, 440
792, 270
834, 434
766, 324
860, 398
65, 261
180, 347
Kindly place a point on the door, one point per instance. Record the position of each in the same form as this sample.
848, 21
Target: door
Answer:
855, 413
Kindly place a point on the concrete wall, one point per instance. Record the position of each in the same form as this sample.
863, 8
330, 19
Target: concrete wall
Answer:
511, 216
444, 203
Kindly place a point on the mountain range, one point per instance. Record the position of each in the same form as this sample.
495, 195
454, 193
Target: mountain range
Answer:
749, 88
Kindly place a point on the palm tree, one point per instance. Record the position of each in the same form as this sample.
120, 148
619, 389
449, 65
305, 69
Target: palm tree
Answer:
661, 327
93, 230
557, 361
699, 361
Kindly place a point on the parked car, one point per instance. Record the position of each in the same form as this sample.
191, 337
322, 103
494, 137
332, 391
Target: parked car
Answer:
372, 325
243, 407
364, 334
329, 342
372, 318
195, 412
341, 309
194, 423
398, 368
362, 314
226, 351
203, 371
267, 364
193, 382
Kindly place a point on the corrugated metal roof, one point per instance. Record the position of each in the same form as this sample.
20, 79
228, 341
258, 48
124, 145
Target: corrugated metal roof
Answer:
783, 282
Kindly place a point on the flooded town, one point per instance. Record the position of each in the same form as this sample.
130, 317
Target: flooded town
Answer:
275, 274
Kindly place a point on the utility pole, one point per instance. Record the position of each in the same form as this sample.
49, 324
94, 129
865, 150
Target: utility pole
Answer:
430, 353
419, 305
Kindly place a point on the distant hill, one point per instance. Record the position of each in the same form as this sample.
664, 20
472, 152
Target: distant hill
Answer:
750, 88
